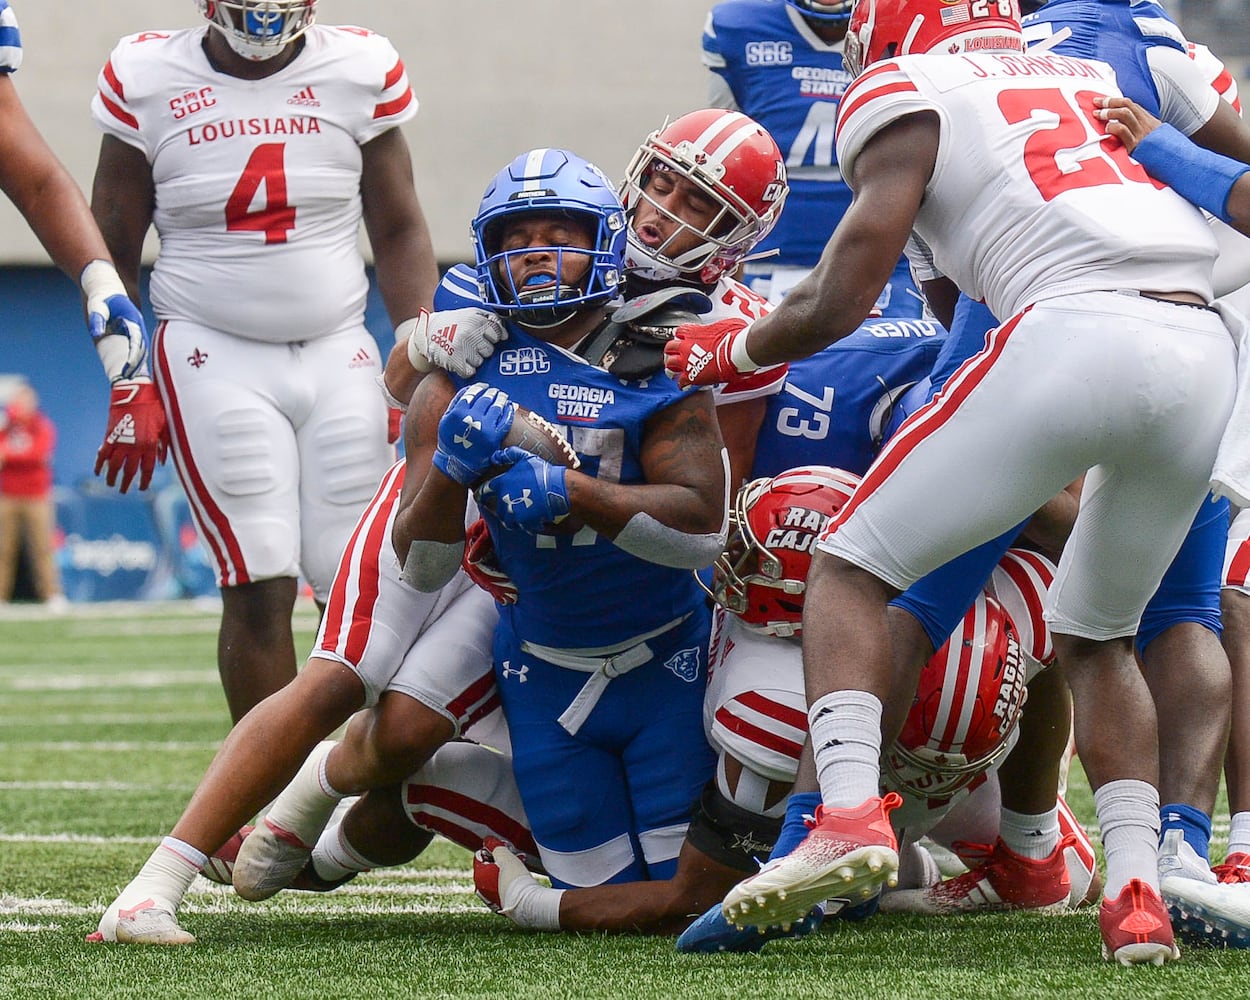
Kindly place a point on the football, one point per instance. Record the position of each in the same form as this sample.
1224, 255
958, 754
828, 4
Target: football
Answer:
539, 437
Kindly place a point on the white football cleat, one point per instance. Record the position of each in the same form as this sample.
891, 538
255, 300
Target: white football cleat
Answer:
268, 861
148, 921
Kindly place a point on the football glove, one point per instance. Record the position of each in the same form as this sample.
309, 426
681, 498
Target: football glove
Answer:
456, 340
708, 354
137, 439
482, 567
115, 324
471, 431
531, 494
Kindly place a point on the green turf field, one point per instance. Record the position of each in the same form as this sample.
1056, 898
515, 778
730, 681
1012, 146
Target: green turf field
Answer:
108, 716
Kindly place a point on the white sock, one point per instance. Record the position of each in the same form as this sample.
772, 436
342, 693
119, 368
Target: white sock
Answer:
845, 729
334, 857
1031, 835
1128, 812
305, 805
167, 874
1239, 834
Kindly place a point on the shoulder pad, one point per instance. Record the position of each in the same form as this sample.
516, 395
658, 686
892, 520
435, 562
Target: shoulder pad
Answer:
654, 308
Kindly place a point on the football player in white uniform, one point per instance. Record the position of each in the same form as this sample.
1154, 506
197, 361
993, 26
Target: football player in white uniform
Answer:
44, 192
256, 144
1057, 241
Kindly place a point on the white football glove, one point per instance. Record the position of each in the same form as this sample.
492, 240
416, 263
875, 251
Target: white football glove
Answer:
456, 340
114, 322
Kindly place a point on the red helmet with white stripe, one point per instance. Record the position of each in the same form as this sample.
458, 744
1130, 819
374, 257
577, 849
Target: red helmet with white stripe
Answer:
883, 29
966, 709
732, 160
1020, 581
773, 529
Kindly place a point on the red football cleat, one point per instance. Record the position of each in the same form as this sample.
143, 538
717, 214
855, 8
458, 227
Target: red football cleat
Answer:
220, 865
1234, 870
1136, 928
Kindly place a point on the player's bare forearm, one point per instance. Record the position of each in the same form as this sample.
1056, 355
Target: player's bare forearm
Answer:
431, 506
891, 173
43, 190
685, 476
666, 907
403, 251
123, 199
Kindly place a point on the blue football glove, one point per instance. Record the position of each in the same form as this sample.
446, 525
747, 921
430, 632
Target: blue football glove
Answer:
114, 322
530, 495
471, 431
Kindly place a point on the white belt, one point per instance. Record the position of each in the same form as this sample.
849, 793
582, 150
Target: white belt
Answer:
602, 665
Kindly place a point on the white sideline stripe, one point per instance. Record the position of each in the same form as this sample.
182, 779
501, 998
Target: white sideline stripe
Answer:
87, 717
99, 746
20, 927
25, 907
90, 786
131, 679
206, 888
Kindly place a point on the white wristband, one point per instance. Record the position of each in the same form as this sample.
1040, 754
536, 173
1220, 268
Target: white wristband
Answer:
100, 279
738, 352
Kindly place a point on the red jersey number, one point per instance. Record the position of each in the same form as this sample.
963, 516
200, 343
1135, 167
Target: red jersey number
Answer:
1109, 162
265, 166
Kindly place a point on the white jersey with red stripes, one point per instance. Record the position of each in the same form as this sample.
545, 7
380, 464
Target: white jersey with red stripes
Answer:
257, 199
1029, 198
1222, 81
731, 299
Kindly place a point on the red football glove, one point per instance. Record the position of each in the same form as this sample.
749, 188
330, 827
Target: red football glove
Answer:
708, 354
394, 424
137, 439
480, 564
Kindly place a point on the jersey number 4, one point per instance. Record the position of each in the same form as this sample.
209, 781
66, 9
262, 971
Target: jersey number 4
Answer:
1051, 154
267, 166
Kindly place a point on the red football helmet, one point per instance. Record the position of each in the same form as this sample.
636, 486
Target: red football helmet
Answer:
883, 29
966, 709
773, 528
734, 161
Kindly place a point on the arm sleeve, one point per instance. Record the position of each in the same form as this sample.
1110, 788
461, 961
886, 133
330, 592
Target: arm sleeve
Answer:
10, 39
1186, 98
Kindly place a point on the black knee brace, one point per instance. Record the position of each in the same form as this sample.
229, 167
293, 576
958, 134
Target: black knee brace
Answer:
729, 834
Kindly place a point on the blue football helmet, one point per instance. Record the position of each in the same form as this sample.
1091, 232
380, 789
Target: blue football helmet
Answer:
259, 29
550, 181
824, 10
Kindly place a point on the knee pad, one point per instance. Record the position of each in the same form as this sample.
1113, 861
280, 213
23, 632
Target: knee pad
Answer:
729, 834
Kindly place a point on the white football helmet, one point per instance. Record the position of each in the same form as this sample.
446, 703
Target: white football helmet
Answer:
259, 29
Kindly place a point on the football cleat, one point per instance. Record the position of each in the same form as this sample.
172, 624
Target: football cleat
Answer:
147, 922
1081, 859
219, 867
309, 881
1135, 927
1205, 906
268, 861
712, 933
849, 854
1235, 869
1003, 881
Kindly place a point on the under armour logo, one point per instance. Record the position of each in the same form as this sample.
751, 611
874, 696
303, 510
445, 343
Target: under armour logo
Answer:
124, 431
518, 672
464, 439
197, 358
513, 502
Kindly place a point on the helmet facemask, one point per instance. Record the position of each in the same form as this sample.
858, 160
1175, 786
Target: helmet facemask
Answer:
259, 29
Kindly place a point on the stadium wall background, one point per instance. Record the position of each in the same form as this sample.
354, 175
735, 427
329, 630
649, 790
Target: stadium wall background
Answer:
494, 77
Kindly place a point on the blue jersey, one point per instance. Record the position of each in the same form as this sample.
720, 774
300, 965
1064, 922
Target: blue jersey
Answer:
579, 590
459, 289
1118, 32
836, 404
791, 82
10, 39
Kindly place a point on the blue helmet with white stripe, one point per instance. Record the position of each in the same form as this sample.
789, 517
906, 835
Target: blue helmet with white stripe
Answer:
554, 182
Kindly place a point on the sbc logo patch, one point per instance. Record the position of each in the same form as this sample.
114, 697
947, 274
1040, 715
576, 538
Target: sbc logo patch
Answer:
685, 664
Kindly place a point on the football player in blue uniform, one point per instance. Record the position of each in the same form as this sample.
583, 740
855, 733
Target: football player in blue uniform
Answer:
44, 192
602, 692
780, 61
